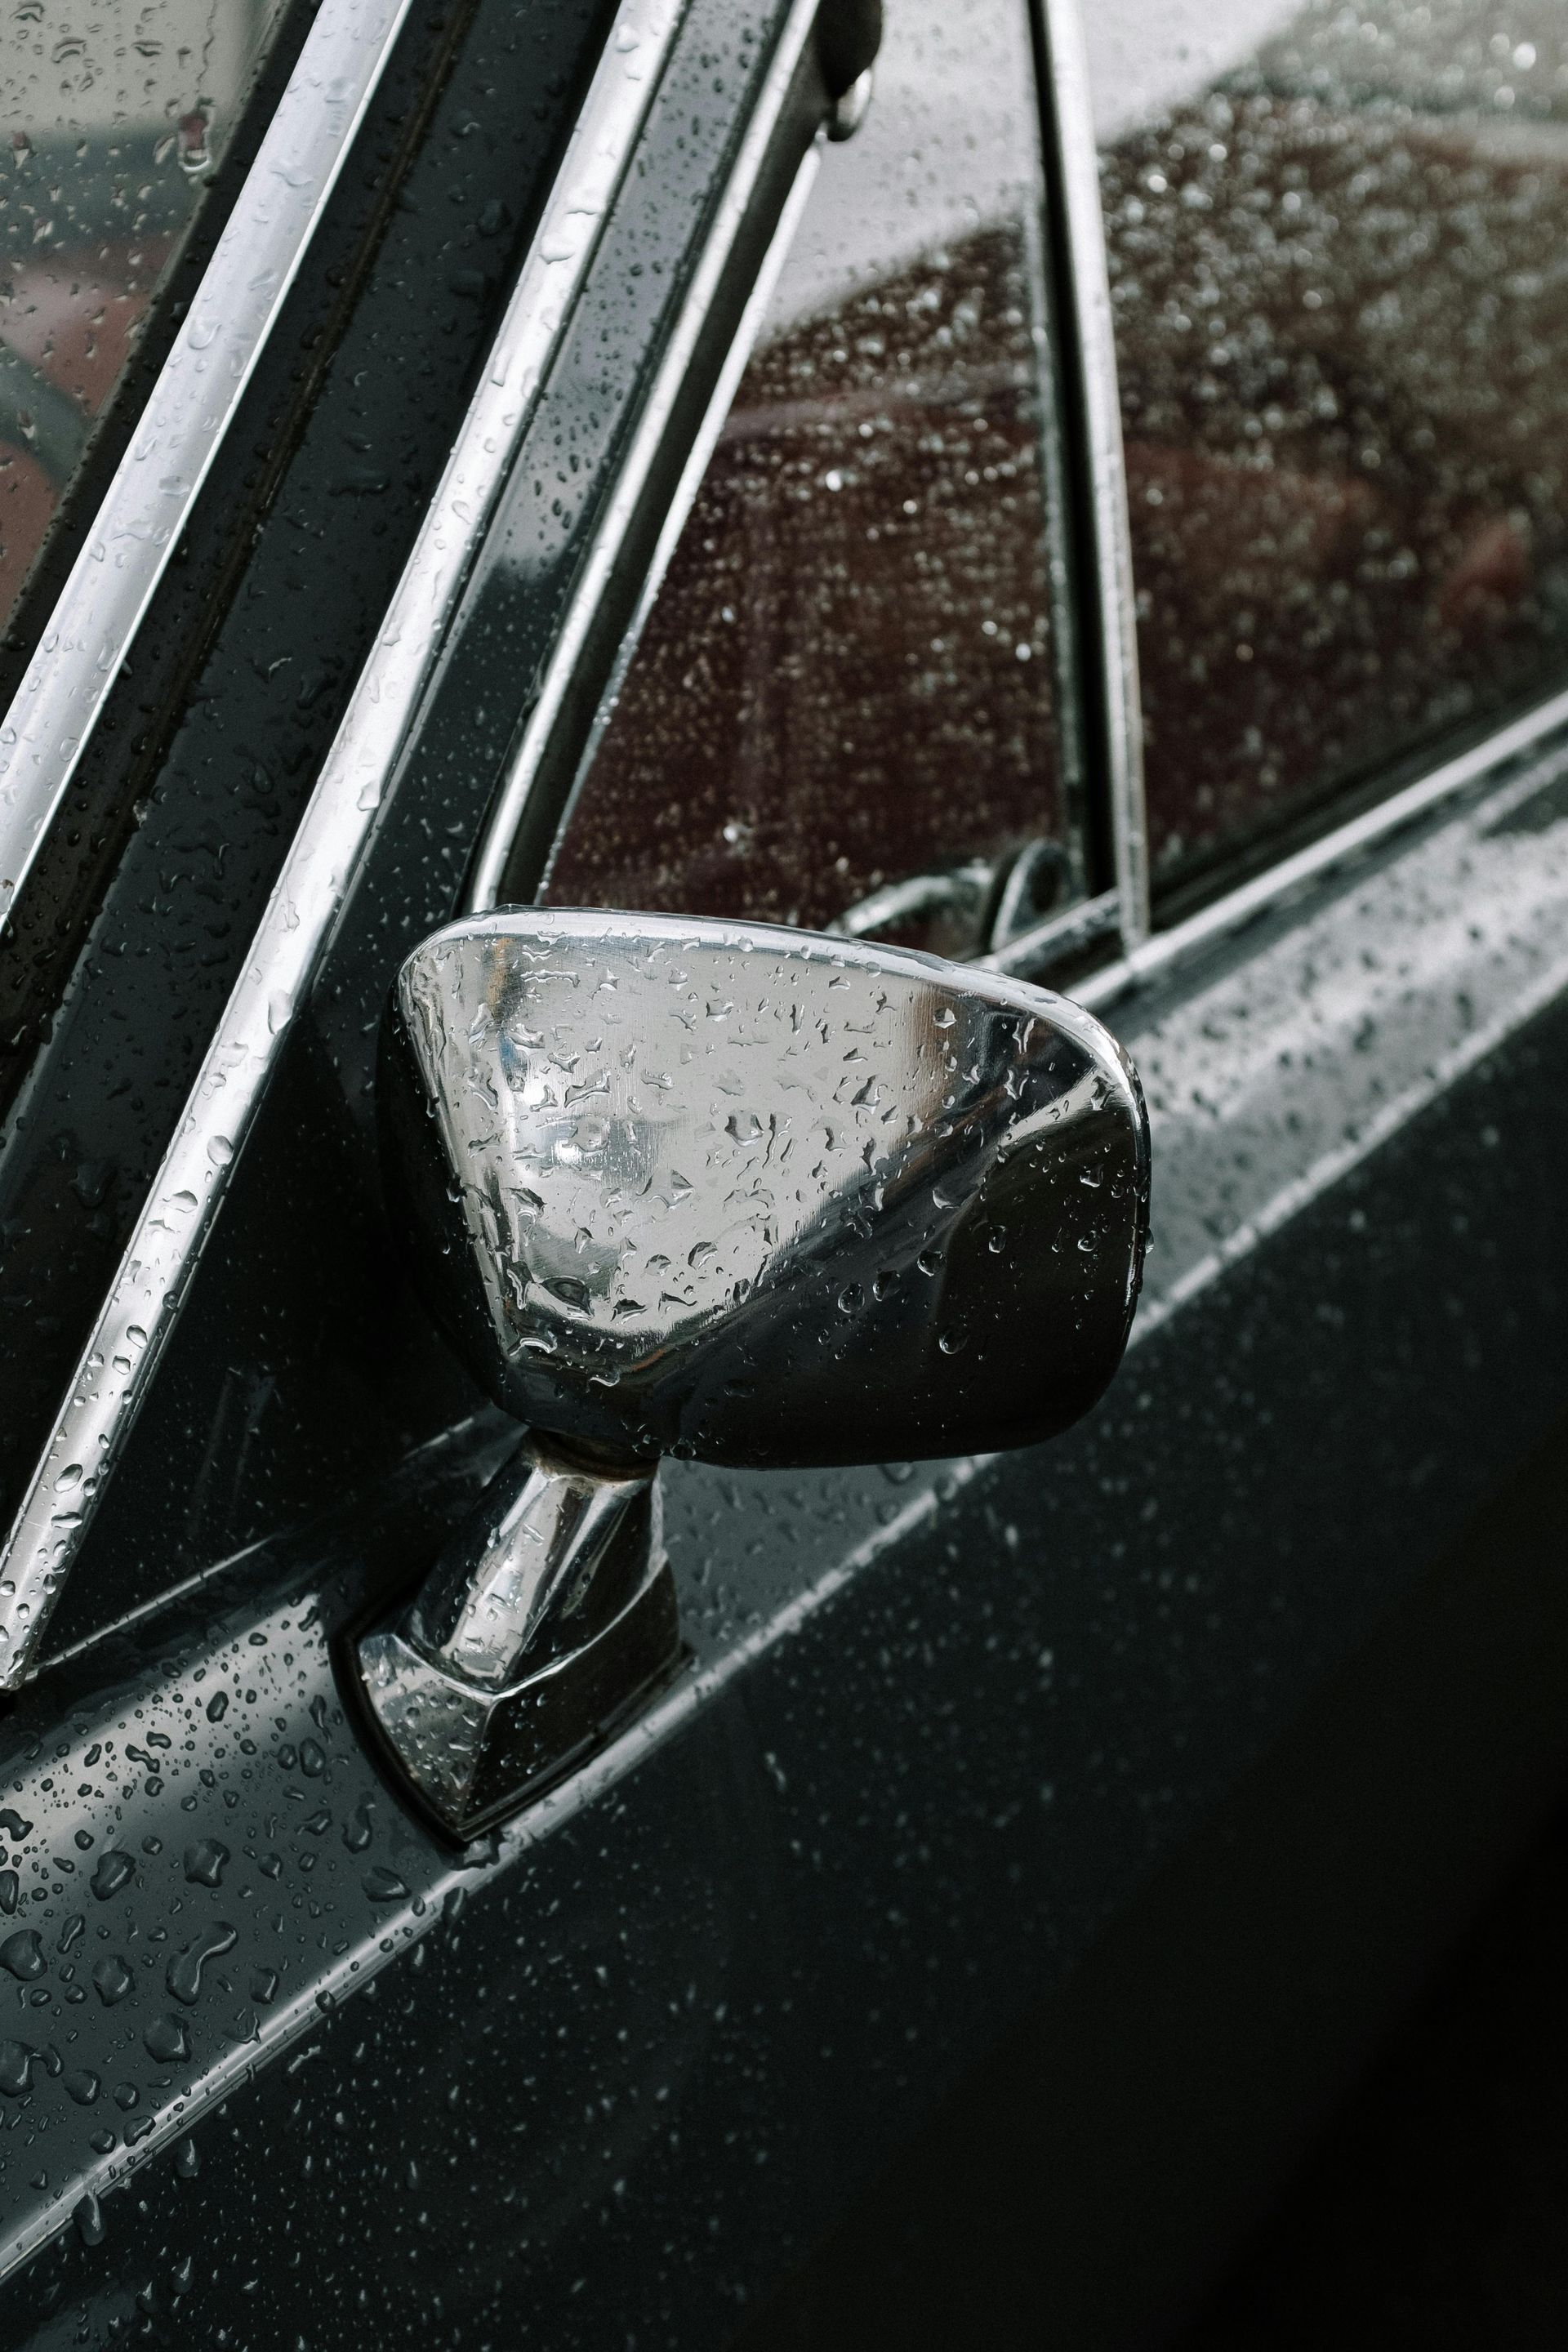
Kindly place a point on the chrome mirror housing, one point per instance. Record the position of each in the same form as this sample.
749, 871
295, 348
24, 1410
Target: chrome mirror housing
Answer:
746, 1195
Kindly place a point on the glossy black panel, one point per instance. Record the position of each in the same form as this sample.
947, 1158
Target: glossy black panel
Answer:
628, 2084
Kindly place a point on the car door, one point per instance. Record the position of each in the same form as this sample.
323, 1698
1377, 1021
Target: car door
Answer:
675, 507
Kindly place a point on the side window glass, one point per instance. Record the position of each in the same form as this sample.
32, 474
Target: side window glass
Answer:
111, 122
1336, 252
842, 706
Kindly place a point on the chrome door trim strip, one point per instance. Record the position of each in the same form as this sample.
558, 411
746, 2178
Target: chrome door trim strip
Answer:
1281, 1070
523, 769
195, 401
122, 1355
1070, 127
1167, 951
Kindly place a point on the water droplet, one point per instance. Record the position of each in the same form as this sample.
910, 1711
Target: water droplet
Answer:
112, 1871
16, 2069
82, 2085
23, 1954
183, 1973
167, 2040
204, 1863
384, 1886
111, 1980
217, 1707
88, 2218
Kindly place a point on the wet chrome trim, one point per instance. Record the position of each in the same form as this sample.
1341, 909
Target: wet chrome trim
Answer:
517, 782
1060, 935
1281, 1069
850, 107
1088, 303
550, 1614
192, 405
118, 1363
1168, 950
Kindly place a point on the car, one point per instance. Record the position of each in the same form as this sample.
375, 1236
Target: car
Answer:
782, 846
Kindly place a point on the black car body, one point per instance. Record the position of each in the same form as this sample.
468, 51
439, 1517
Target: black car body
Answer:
1140, 575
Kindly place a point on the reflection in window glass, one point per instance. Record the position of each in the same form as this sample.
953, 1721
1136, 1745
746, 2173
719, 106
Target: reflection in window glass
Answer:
1339, 256
844, 683
111, 119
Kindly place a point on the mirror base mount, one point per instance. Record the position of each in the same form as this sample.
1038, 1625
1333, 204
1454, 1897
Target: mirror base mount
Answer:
548, 1621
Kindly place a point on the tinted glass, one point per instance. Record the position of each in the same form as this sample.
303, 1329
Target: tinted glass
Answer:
845, 681
112, 120
1337, 243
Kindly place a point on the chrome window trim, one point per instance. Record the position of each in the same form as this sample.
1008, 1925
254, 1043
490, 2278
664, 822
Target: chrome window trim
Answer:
1167, 951
1283, 1066
523, 769
118, 1363
1057, 938
192, 405
1069, 126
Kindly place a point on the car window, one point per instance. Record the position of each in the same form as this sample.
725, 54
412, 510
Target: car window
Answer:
842, 706
1336, 250
112, 119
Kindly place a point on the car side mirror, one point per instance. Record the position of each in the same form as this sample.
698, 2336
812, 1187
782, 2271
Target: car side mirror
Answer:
735, 1193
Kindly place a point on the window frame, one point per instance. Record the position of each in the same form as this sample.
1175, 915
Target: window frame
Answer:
398, 697
230, 320
328, 874
1148, 949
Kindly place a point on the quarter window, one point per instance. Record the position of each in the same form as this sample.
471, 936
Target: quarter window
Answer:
842, 707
